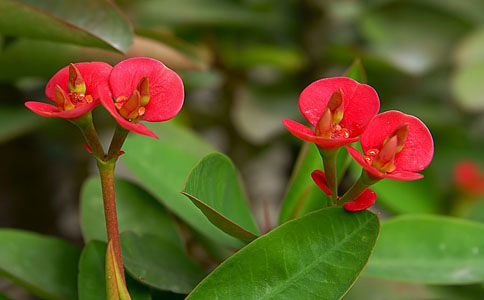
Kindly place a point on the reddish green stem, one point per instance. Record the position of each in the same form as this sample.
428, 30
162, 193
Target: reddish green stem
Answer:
116, 143
88, 130
358, 187
329, 161
106, 171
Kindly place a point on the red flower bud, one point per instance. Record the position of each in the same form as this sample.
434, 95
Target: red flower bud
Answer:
469, 178
320, 179
396, 146
145, 90
364, 201
346, 105
74, 90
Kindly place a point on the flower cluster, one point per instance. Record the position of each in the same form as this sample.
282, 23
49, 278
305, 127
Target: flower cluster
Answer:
143, 89
343, 111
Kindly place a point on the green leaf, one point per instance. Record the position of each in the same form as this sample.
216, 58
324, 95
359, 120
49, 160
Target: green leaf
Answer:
429, 249
214, 186
45, 266
159, 264
356, 71
91, 280
3, 297
163, 165
137, 211
303, 195
318, 255
17, 121
95, 23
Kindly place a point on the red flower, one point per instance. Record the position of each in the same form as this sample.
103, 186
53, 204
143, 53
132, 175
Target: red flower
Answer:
362, 202
74, 90
469, 178
144, 90
339, 108
396, 146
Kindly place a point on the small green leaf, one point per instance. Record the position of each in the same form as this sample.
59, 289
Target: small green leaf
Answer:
163, 165
429, 249
45, 266
137, 211
115, 286
95, 23
356, 71
159, 264
91, 280
303, 195
318, 256
214, 187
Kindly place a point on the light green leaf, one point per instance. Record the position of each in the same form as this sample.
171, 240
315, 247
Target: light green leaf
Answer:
317, 256
214, 186
96, 23
303, 195
159, 264
91, 280
429, 249
137, 210
45, 266
163, 165
356, 71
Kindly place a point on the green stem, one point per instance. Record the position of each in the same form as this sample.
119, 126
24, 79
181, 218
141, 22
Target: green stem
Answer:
88, 130
106, 171
116, 143
329, 161
358, 187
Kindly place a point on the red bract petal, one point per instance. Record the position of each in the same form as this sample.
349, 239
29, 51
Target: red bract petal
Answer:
469, 178
364, 201
108, 103
320, 179
95, 75
396, 175
306, 134
418, 150
361, 102
166, 87
51, 111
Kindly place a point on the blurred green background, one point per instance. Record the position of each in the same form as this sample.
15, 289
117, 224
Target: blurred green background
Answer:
243, 63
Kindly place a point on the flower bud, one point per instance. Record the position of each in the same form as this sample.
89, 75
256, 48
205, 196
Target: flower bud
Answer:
76, 83
336, 105
385, 159
144, 90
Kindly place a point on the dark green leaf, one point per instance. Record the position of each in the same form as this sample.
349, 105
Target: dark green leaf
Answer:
429, 249
317, 256
303, 195
91, 278
17, 121
3, 297
163, 165
45, 266
137, 211
214, 187
96, 23
159, 264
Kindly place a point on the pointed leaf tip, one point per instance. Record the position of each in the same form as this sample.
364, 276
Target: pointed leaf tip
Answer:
115, 285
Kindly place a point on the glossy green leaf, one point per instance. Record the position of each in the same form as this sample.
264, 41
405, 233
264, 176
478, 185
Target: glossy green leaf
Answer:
17, 121
317, 256
429, 249
96, 23
302, 194
45, 266
91, 280
214, 186
356, 71
138, 211
159, 264
163, 165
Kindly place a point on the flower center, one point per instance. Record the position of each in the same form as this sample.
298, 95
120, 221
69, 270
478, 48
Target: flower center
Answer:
133, 108
383, 159
329, 124
77, 96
